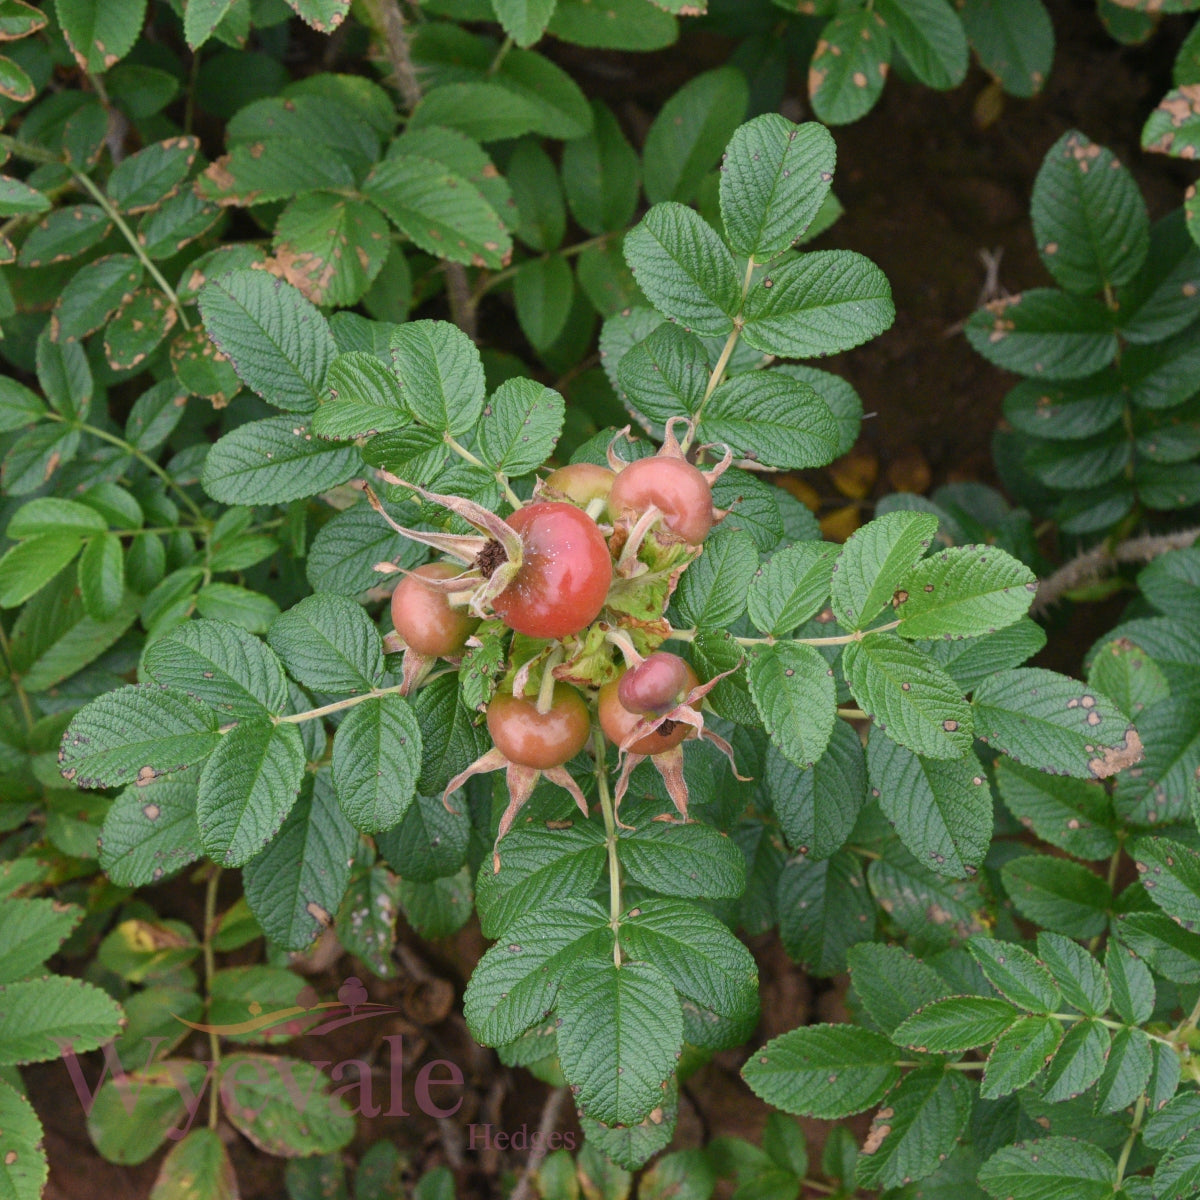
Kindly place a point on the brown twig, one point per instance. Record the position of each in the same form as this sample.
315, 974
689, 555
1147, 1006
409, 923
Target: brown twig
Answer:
389, 21
1093, 565
550, 1114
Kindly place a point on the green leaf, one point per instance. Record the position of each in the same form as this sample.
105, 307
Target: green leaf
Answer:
623, 25
824, 910
819, 303
17, 198
441, 375
698, 954
692, 860
273, 461
1174, 126
776, 176
201, 17
770, 418
430, 842
849, 66
825, 1071
1163, 298
1053, 723
278, 343
792, 587
907, 697
1072, 814
330, 247
148, 177
1173, 1123
1171, 875
199, 1165
136, 732
619, 1033
601, 174
522, 425
543, 290
247, 788
296, 884
1060, 895
102, 576
684, 268
1126, 1072
93, 294
138, 329
1089, 219
691, 129
133, 1115
366, 921
794, 692
515, 983
64, 234
874, 561
1020, 1055
437, 210
327, 643
1049, 1168
100, 32
449, 735
914, 1133
955, 1024
31, 931
376, 760
23, 1166
941, 810
1016, 974
524, 20
966, 591
43, 1017
342, 556
712, 592
323, 15
1014, 40
28, 566
1178, 1171
664, 375
1046, 333
930, 36
1078, 1062
1169, 950
817, 808
18, 407
539, 866
1078, 975
261, 1105
892, 984
221, 665
150, 832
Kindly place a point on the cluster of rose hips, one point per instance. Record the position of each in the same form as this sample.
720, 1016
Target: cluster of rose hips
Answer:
553, 570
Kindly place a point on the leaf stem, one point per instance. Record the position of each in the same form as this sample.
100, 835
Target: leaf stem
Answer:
15, 679
1139, 1113
501, 478
610, 831
210, 970
136, 246
141, 456
313, 713
494, 280
501, 55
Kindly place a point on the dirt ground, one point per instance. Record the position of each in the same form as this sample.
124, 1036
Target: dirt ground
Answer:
925, 191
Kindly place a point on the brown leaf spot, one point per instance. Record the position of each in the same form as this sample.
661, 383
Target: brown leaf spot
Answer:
1116, 758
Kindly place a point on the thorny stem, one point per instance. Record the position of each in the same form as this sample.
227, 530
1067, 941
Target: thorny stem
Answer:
718, 372
501, 478
143, 458
1139, 1113
610, 831
210, 971
136, 246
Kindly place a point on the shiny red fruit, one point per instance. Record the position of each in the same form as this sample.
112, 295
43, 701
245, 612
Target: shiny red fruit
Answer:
565, 574
657, 684
541, 740
618, 723
676, 487
424, 617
